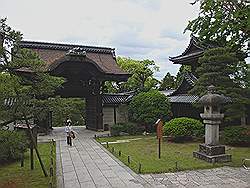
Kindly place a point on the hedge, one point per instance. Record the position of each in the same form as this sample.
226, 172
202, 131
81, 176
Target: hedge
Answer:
12, 144
129, 128
237, 135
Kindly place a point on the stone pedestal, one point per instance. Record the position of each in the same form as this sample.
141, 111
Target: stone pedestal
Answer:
212, 154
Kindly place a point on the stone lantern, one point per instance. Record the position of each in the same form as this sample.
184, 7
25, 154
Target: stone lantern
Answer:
211, 150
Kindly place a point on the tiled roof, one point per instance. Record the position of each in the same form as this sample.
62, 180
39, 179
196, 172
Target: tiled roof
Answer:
183, 98
186, 57
103, 58
9, 102
186, 85
64, 47
194, 50
118, 98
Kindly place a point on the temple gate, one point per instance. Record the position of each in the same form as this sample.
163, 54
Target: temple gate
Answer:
85, 68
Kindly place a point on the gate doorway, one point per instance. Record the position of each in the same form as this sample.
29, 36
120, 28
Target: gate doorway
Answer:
85, 69
61, 108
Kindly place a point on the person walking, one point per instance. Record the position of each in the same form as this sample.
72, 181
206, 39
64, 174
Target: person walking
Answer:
69, 131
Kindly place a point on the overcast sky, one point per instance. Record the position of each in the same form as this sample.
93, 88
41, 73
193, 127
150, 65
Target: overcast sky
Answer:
139, 29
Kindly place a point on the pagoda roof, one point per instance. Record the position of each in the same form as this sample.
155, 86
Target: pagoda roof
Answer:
180, 95
191, 53
102, 57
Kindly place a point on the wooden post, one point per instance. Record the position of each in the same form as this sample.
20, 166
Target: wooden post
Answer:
51, 171
31, 157
22, 159
159, 148
139, 168
128, 159
34, 144
159, 131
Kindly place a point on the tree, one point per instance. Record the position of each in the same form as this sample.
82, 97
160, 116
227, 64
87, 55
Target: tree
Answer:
63, 107
146, 107
141, 75
168, 82
28, 83
248, 76
217, 67
224, 23
179, 76
29, 89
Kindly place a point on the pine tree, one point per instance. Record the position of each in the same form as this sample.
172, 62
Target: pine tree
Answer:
168, 82
218, 67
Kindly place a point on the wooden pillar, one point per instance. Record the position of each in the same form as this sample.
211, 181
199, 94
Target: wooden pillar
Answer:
94, 110
31, 156
115, 114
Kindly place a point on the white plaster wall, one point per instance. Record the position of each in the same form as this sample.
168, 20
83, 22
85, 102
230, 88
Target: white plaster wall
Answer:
122, 113
108, 115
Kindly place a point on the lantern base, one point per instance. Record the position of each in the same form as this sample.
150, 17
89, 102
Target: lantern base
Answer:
212, 154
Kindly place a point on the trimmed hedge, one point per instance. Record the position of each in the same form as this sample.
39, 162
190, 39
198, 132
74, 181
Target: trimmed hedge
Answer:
237, 135
129, 128
12, 144
184, 127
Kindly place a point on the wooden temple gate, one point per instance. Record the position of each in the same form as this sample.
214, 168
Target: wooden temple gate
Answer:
85, 68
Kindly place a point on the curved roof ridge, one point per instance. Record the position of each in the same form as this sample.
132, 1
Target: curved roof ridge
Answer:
193, 41
64, 46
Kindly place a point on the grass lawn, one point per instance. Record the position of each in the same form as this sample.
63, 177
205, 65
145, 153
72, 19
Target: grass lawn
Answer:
145, 151
12, 175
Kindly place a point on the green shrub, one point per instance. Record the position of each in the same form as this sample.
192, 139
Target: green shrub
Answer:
129, 127
237, 135
116, 129
146, 107
183, 127
12, 144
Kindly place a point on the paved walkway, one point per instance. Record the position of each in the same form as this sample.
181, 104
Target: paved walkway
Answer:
88, 164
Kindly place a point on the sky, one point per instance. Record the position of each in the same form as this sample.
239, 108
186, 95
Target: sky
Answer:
139, 29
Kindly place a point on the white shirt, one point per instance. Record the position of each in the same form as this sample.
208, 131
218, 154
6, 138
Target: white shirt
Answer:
68, 129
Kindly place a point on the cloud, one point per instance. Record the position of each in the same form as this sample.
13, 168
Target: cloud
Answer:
139, 29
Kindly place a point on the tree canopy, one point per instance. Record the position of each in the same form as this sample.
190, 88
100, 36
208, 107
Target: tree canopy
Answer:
147, 107
141, 76
168, 82
224, 23
217, 67
224, 26
27, 88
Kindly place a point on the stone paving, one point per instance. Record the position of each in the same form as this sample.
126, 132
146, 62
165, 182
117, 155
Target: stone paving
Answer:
88, 164
225, 177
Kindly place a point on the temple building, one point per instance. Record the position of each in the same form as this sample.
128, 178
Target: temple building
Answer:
180, 99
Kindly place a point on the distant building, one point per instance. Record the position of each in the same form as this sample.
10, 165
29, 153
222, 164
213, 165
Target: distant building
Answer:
180, 99
182, 102
115, 108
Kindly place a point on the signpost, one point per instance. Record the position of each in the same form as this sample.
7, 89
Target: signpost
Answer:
159, 130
